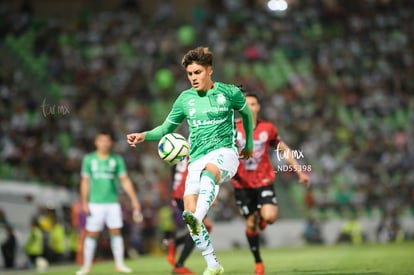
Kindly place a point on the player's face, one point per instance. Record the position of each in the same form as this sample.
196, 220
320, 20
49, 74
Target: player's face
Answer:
103, 143
200, 77
253, 104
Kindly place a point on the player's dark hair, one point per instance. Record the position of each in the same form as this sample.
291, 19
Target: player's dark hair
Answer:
106, 132
247, 93
200, 55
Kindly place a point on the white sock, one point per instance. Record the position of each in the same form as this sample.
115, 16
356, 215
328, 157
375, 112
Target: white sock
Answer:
207, 194
88, 252
211, 260
203, 243
117, 246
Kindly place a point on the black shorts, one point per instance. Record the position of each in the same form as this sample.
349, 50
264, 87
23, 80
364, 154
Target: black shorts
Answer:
249, 200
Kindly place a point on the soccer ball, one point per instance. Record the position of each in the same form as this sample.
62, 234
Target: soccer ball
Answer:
173, 148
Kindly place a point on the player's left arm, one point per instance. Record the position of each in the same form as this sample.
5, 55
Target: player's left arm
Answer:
240, 104
128, 186
174, 118
130, 191
247, 120
303, 178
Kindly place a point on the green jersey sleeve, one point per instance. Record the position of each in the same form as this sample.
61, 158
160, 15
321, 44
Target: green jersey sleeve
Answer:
240, 104
86, 168
238, 99
121, 167
176, 116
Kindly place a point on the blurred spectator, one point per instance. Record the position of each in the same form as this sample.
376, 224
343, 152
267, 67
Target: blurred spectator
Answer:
72, 244
9, 248
149, 226
309, 199
312, 232
56, 243
128, 223
166, 221
3, 219
34, 244
389, 229
351, 231
345, 71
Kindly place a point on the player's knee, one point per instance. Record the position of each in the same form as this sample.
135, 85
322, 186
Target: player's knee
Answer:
251, 225
92, 234
212, 168
115, 231
271, 219
269, 214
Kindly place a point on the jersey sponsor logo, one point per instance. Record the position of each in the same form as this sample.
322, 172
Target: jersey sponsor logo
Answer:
217, 109
198, 122
103, 175
266, 193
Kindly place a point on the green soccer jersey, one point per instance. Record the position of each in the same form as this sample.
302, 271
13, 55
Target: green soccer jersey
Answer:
103, 176
210, 116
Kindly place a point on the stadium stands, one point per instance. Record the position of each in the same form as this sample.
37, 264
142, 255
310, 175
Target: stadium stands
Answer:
336, 79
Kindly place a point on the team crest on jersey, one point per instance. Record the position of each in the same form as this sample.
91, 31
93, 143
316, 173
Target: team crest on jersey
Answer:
192, 111
263, 136
221, 99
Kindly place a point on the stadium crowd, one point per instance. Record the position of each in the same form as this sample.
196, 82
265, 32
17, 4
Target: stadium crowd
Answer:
336, 77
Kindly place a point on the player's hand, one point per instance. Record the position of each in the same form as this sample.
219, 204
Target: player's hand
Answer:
304, 179
246, 154
137, 216
135, 138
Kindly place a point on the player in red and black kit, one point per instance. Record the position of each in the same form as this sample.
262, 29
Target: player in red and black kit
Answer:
253, 183
179, 176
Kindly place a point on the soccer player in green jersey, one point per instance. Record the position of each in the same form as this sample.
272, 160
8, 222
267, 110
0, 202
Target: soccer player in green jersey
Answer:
101, 172
209, 108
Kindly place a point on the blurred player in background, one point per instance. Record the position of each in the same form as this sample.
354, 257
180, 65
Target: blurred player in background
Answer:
253, 182
101, 171
179, 177
209, 108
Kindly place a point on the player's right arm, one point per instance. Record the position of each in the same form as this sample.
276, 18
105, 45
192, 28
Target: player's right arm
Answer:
84, 193
240, 104
174, 118
154, 134
84, 184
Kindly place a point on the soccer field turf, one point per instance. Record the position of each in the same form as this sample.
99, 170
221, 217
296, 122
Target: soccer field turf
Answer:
390, 259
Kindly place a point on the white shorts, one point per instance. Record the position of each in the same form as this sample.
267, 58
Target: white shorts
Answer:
227, 160
101, 214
